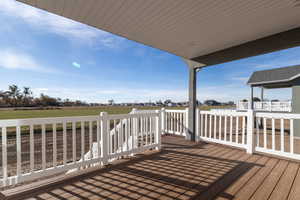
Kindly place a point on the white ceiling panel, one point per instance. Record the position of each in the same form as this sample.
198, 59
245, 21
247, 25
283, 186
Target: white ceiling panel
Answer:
187, 28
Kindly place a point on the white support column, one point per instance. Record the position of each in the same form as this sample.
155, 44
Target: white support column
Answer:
250, 132
194, 67
104, 138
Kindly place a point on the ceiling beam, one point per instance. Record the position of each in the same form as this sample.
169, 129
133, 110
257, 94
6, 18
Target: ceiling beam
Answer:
283, 40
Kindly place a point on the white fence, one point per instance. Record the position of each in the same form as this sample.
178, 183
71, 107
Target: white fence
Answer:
275, 134
270, 106
35, 148
39, 147
271, 133
174, 121
228, 128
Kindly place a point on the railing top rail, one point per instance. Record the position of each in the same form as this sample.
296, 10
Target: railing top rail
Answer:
224, 113
57, 120
176, 111
52, 120
122, 116
278, 115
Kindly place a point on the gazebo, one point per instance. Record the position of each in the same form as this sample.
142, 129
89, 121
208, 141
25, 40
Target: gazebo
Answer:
284, 77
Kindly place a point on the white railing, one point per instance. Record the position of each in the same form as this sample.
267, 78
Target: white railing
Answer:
271, 106
174, 122
223, 127
39, 147
275, 134
271, 133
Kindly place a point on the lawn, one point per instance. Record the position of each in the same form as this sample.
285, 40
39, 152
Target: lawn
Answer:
77, 111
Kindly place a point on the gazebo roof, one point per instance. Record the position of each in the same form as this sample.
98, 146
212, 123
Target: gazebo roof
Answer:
206, 31
275, 78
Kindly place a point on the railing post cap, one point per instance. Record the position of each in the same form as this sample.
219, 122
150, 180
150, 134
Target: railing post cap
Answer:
163, 109
103, 113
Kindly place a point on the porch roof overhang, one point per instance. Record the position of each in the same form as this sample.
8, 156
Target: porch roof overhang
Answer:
276, 78
206, 31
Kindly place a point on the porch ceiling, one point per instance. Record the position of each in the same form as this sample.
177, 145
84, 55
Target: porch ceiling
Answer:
207, 31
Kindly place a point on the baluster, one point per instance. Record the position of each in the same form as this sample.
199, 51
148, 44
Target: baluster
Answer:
4, 155
237, 130
115, 148
82, 140
265, 133
31, 138
18, 151
91, 139
74, 140
215, 127
273, 134
210, 125
126, 133
98, 138
225, 128
205, 124
202, 128
231, 129
243, 131
220, 126
292, 136
146, 127
258, 121
43, 147
64, 143
282, 135
54, 145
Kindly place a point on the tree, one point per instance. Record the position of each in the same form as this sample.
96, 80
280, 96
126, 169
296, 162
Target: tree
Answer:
167, 101
212, 102
256, 99
14, 93
27, 96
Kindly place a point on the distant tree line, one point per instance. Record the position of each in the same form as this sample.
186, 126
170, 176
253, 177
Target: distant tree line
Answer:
23, 97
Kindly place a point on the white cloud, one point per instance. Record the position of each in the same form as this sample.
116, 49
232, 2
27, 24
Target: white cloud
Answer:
12, 59
59, 25
76, 65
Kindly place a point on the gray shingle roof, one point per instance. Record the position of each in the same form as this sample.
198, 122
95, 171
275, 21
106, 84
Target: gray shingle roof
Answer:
277, 75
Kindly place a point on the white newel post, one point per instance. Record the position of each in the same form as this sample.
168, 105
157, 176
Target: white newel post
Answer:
186, 120
104, 139
250, 131
197, 131
163, 120
135, 130
158, 130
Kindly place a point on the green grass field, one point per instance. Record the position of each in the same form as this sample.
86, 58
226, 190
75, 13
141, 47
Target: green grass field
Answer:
79, 111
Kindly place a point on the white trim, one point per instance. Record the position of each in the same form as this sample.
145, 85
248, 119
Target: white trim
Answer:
276, 81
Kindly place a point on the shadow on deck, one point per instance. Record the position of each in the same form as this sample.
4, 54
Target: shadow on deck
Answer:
182, 170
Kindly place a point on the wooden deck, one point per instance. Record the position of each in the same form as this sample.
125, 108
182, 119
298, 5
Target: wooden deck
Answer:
183, 170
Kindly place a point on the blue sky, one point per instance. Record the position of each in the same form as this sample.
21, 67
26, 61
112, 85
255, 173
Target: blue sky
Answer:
66, 59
